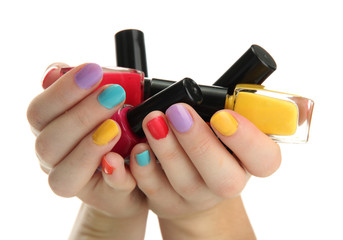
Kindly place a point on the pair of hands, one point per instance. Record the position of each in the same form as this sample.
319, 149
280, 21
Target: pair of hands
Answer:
194, 171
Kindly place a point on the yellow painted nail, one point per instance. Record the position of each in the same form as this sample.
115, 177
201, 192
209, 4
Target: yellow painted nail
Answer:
224, 122
105, 132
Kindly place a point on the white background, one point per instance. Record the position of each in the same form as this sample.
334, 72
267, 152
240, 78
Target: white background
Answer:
197, 39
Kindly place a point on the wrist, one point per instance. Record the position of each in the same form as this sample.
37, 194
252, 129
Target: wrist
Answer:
94, 224
226, 220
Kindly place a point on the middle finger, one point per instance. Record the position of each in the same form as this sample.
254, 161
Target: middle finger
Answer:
64, 133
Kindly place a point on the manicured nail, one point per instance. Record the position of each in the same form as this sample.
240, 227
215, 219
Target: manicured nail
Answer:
112, 96
48, 77
180, 118
89, 75
224, 122
105, 132
158, 127
143, 158
106, 167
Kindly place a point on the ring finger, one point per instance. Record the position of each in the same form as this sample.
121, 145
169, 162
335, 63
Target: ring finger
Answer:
173, 158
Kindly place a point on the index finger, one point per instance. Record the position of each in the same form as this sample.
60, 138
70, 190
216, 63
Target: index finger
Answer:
63, 94
260, 155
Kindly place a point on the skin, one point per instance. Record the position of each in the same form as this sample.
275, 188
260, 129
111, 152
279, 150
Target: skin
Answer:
201, 203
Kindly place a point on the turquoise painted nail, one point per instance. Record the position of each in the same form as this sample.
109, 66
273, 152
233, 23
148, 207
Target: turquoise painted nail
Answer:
112, 96
143, 158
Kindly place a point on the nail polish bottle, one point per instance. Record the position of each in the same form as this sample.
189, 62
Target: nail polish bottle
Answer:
286, 118
130, 118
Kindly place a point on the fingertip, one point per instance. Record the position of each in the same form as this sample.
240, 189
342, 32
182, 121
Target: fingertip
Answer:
108, 132
111, 96
224, 123
115, 173
52, 73
111, 161
141, 155
107, 167
272, 163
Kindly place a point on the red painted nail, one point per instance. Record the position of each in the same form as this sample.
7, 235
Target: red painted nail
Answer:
107, 168
158, 127
49, 77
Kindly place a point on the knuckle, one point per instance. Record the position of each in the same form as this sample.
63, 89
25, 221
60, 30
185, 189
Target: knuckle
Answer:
44, 168
272, 162
123, 188
230, 187
59, 188
83, 118
189, 190
63, 98
42, 147
275, 161
151, 191
169, 155
201, 147
34, 116
46, 151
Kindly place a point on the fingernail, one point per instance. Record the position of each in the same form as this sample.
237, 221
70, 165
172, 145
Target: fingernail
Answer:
48, 77
224, 122
158, 127
89, 75
179, 117
143, 158
106, 167
112, 96
105, 132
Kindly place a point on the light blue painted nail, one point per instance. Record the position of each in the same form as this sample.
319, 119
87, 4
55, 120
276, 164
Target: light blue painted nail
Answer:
143, 158
112, 96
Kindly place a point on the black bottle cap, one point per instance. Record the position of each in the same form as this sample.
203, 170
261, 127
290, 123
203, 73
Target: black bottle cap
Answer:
214, 100
253, 67
130, 50
186, 91
154, 86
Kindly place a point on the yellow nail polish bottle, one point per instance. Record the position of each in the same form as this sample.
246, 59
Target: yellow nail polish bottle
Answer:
284, 117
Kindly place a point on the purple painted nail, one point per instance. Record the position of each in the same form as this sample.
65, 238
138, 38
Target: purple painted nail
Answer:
89, 75
180, 118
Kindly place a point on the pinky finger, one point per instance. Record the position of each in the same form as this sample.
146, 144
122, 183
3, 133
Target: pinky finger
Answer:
152, 181
115, 174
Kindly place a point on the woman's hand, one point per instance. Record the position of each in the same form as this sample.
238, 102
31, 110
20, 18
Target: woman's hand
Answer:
197, 179
73, 139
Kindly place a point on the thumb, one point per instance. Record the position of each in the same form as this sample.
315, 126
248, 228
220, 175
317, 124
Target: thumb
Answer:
52, 73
